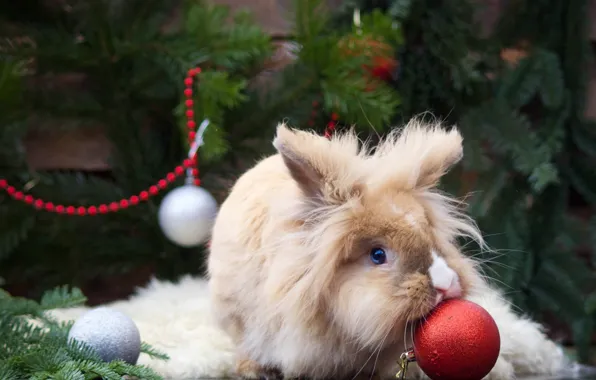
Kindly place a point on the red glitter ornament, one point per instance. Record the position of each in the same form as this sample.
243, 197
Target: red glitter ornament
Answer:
458, 340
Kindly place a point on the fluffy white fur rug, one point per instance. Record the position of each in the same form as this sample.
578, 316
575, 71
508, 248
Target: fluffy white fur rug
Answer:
176, 318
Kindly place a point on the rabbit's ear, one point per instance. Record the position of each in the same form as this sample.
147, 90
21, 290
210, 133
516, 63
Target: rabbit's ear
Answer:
323, 168
418, 155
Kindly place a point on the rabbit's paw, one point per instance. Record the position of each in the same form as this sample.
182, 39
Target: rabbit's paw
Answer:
249, 369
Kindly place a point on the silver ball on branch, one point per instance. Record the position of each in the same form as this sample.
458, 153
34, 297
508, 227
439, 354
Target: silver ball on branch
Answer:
110, 333
186, 215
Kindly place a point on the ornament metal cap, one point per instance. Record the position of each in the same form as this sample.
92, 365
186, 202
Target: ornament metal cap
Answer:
194, 148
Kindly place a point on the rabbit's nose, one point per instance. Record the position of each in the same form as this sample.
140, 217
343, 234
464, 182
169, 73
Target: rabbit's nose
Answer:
443, 278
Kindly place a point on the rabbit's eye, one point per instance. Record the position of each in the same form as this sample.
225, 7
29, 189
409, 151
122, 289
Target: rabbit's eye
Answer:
378, 256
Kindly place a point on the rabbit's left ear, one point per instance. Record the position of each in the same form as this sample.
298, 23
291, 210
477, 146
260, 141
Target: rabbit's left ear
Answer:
324, 169
417, 156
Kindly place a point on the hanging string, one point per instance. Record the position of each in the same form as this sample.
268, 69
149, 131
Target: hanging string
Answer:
188, 166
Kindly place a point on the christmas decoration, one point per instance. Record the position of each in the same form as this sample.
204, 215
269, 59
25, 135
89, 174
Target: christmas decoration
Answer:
381, 55
111, 334
372, 39
458, 340
186, 215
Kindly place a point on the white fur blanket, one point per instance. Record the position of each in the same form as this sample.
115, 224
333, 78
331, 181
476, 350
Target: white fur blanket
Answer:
176, 319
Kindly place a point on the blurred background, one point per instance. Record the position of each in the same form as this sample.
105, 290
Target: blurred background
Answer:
92, 111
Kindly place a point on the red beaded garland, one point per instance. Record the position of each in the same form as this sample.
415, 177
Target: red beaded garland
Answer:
189, 163
144, 195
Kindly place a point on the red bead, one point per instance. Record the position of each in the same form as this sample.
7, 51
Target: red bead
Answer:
28, 199
334, 116
188, 92
455, 331
187, 163
190, 113
19, 195
114, 206
59, 209
144, 195
70, 210
313, 114
171, 177
82, 211
331, 124
179, 170
134, 200
198, 70
3, 184
124, 203
38, 204
189, 103
315, 103
162, 184
191, 124
194, 71
49, 206
191, 136
103, 209
311, 123
11, 190
195, 172
92, 210
188, 81
197, 182
153, 190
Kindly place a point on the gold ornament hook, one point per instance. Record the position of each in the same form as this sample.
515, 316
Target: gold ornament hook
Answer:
405, 359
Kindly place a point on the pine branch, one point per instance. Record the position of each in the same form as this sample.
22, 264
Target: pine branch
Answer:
62, 297
152, 352
230, 45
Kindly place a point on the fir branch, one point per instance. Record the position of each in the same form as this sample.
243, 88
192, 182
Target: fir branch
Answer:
139, 371
520, 83
62, 297
15, 228
152, 352
229, 45
552, 87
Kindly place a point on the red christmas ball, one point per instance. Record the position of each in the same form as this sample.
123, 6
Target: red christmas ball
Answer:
458, 340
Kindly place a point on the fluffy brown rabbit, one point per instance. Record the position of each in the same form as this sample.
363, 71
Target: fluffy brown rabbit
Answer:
323, 255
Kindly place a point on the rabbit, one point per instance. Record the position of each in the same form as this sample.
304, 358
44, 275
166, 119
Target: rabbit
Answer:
324, 254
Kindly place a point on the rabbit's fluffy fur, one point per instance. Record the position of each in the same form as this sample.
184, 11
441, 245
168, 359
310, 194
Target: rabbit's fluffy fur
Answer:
290, 272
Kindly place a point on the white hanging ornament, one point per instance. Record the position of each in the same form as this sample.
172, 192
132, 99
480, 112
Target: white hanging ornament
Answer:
186, 214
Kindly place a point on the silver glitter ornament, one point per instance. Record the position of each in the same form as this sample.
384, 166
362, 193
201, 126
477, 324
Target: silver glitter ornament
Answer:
186, 215
112, 334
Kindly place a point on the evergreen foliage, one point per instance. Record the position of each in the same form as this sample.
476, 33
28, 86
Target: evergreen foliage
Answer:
35, 346
132, 57
528, 151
